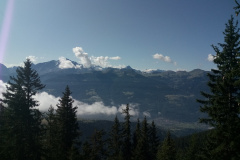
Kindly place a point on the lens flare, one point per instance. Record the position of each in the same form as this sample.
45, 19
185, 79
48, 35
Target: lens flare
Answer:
5, 28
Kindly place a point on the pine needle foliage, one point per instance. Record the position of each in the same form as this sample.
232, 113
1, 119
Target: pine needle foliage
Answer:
22, 128
222, 105
67, 125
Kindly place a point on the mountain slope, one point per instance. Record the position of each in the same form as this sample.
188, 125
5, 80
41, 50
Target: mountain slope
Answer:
166, 94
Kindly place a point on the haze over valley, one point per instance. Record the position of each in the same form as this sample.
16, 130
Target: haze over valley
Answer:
167, 97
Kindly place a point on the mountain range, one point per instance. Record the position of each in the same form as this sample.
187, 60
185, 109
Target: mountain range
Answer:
161, 95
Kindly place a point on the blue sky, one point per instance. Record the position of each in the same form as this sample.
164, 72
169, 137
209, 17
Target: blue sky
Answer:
149, 34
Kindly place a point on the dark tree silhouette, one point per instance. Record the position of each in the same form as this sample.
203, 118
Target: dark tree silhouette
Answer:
23, 129
115, 141
167, 151
67, 125
222, 104
126, 134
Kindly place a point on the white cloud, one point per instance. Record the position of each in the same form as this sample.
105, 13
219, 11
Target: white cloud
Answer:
133, 109
94, 109
46, 100
32, 58
14, 65
98, 108
84, 109
163, 58
118, 66
115, 58
65, 63
180, 69
149, 70
102, 61
147, 114
2, 88
210, 57
82, 56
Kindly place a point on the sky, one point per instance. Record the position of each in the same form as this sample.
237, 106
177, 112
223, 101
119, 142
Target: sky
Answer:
144, 34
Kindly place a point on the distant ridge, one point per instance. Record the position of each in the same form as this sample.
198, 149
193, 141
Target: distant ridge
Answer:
160, 94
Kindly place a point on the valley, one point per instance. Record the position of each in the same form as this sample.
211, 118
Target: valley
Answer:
167, 97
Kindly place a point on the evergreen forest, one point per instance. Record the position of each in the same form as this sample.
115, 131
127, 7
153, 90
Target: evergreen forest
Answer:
28, 134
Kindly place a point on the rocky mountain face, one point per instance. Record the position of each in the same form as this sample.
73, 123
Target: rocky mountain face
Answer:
161, 94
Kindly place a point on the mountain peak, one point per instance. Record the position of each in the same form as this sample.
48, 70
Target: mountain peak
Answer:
128, 67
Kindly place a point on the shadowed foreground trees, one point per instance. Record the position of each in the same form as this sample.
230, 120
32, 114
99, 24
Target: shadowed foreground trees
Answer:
24, 137
222, 104
62, 128
115, 141
126, 134
167, 150
22, 129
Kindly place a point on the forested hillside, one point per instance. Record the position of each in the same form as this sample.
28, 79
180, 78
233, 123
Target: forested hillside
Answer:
26, 133
165, 94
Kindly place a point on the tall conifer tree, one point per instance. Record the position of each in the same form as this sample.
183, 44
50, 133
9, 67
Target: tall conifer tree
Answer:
167, 150
222, 105
86, 150
67, 125
115, 141
193, 151
22, 119
142, 151
98, 146
51, 142
153, 141
126, 134
136, 135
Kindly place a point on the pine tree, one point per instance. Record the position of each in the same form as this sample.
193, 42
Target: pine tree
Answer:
98, 150
142, 151
136, 135
126, 135
2, 139
51, 144
114, 141
75, 153
67, 125
23, 129
193, 150
167, 150
14, 144
153, 141
237, 8
222, 104
86, 150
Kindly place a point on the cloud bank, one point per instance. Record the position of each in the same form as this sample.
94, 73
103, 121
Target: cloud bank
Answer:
65, 63
86, 60
84, 109
163, 58
103, 61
